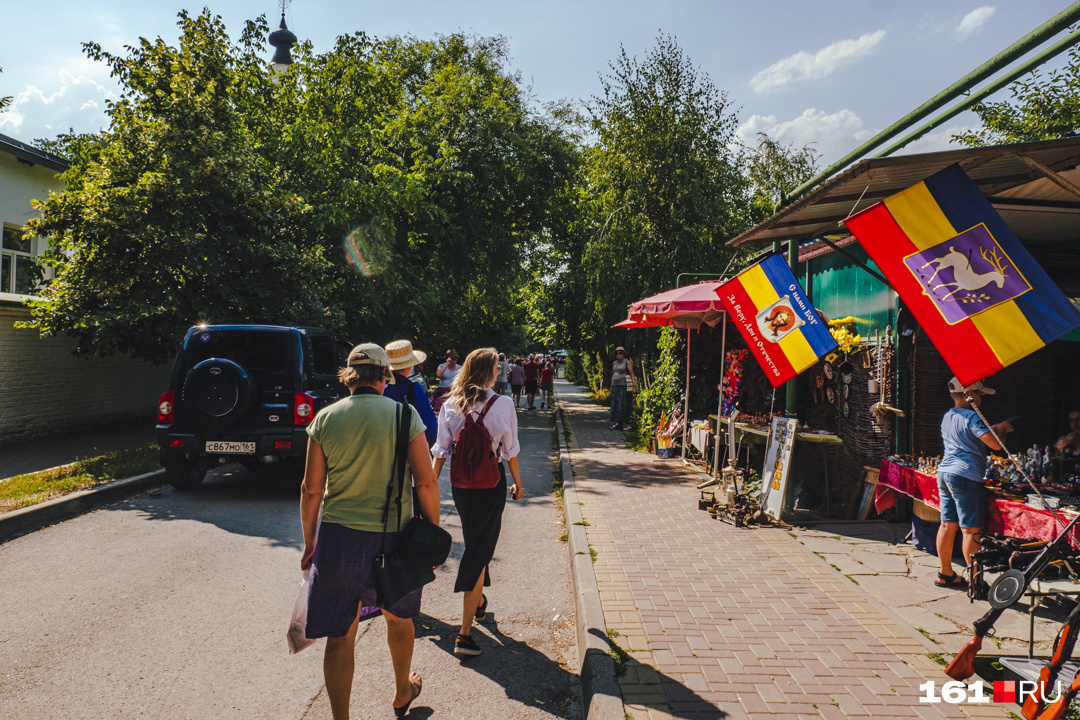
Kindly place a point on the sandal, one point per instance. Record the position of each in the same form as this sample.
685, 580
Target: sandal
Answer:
417, 685
481, 609
950, 581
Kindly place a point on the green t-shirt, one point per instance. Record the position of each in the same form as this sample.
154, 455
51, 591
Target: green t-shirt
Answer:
357, 436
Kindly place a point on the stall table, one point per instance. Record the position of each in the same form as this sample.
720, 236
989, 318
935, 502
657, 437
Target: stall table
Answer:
1009, 517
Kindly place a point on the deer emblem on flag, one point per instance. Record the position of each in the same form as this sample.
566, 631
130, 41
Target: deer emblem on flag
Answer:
967, 274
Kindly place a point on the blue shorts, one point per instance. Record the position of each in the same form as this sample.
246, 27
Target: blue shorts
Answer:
962, 500
343, 576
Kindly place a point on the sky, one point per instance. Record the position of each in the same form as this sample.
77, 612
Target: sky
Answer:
830, 73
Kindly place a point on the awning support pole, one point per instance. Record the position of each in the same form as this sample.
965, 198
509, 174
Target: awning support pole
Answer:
686, 398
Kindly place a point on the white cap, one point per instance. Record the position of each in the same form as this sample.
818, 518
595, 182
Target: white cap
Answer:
956, 387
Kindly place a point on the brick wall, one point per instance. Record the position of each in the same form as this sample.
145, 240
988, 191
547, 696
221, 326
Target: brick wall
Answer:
45, 390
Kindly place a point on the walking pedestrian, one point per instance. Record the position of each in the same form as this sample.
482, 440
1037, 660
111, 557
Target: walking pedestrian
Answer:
403, 358
501, 380
622, 381
446, 373
350, 461
517, 380
961, 476
532, 375
547, 384
480, 508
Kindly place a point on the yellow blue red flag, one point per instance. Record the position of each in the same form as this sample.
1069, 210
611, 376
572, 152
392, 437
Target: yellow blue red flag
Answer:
774, 316
981, 298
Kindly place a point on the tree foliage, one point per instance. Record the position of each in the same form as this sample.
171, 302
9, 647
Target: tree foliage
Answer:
1041, 107
394, 187
775, 170
661, 193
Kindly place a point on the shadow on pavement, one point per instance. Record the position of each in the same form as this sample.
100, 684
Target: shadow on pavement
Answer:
526, 675
683, 702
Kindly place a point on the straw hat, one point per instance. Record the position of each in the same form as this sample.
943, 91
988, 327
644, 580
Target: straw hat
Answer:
402, 355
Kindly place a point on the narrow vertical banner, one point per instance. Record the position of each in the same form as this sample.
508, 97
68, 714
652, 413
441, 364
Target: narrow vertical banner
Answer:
774, 316
976, 291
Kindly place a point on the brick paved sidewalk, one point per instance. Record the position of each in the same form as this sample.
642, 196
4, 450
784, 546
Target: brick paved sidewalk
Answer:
714, 621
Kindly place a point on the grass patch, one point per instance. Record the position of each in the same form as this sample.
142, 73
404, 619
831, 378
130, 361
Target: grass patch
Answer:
32, 488
592, 553
938, 658
849, 577
583, 523
612, 633
928, 636
564, 537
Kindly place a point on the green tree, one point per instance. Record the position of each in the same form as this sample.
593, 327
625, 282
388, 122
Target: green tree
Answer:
173, 217
394, 187
662, 193
5, 100
774, 170
1041, 107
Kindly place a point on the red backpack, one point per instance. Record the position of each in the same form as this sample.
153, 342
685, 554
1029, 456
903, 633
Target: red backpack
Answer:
473, 464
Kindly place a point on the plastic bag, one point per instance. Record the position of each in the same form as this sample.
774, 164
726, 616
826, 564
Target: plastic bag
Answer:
298, 639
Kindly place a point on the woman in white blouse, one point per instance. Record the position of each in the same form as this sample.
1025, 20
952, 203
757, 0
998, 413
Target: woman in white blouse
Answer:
480, 509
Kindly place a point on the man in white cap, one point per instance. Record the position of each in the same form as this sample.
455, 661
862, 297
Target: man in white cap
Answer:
402, 360
961, 475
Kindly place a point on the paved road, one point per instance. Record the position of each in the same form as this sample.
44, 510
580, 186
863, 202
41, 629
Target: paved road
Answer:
175, 605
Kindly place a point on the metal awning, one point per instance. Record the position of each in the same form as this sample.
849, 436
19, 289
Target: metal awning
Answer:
1035, 186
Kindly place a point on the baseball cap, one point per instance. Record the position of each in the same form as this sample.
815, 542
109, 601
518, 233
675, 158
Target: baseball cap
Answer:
370, 354
956, 387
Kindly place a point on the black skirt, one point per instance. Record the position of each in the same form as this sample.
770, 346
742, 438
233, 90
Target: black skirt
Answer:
481, 521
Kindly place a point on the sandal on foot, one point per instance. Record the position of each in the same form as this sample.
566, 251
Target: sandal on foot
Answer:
417, 684
481, 609
950, 581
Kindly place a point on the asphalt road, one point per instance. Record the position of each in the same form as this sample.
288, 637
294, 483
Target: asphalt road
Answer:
175, 605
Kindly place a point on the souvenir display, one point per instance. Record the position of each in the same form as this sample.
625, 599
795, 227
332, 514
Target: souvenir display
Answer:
829, 374
734, 361
830, 395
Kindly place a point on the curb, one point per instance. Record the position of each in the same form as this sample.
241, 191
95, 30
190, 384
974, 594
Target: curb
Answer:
28, 519
601, 698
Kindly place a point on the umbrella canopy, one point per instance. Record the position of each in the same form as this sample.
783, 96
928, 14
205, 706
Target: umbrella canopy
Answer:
685, 307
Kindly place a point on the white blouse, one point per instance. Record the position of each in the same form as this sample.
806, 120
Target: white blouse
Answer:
501, 423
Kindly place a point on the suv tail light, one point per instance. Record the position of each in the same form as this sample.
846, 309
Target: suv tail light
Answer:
303, 409
165, 408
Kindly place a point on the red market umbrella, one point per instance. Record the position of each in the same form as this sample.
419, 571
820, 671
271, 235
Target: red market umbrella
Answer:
685, 307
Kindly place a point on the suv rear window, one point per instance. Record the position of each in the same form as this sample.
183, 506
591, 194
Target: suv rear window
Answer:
255, 350
324, 355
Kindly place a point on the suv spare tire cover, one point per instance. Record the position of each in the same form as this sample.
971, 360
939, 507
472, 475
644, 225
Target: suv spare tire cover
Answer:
219, 391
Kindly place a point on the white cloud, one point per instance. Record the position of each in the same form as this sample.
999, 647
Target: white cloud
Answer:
831, 134
974, 20
803, 65
78, 103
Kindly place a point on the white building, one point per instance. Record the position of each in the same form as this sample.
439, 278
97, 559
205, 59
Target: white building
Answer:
44, 389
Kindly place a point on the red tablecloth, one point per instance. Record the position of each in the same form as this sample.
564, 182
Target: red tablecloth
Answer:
1009, 517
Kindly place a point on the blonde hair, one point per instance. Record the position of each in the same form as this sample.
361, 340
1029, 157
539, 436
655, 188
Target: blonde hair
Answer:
477, 374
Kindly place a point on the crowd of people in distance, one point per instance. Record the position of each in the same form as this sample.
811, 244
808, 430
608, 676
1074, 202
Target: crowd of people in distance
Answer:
354, 458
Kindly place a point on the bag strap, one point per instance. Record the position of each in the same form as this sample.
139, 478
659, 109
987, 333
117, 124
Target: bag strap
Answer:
397, 476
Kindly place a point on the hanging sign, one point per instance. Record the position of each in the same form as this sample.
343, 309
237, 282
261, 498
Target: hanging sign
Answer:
777, 465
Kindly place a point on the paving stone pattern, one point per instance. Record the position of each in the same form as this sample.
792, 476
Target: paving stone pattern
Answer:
713, 621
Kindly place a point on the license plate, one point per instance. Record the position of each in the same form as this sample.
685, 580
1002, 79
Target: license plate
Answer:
230, 448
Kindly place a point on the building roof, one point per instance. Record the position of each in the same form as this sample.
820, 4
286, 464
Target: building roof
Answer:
32, 155
1035, 186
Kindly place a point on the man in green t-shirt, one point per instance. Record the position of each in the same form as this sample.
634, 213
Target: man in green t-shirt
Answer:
349, 465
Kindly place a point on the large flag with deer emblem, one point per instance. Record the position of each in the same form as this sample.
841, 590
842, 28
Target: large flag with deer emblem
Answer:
979, 295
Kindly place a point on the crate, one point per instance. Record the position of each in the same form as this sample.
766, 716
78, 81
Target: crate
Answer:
667, 453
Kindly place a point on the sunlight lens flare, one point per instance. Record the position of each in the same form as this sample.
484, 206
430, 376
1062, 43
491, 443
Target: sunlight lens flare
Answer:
365, 248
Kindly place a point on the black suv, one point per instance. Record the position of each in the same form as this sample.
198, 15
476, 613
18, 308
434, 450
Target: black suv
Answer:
245, 393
